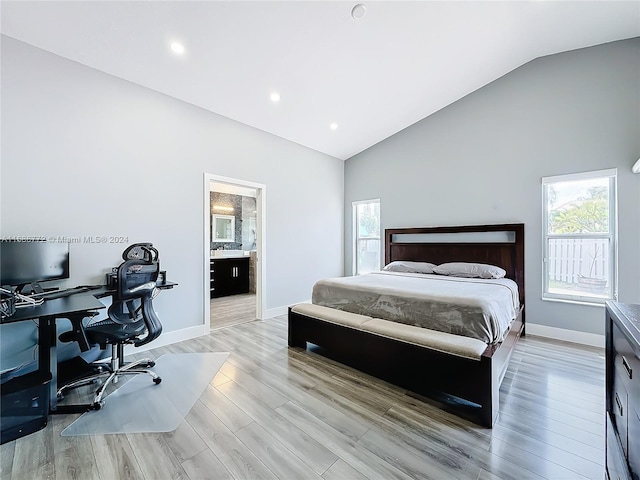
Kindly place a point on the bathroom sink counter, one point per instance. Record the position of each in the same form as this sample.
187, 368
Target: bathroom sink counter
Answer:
229, 254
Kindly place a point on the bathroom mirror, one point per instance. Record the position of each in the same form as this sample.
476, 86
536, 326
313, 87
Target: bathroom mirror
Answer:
223, 228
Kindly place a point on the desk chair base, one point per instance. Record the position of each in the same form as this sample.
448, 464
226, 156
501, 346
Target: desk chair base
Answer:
116, 368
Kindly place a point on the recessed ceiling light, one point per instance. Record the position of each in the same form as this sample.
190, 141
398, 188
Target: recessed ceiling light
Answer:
177, 48
333, 126
275, 97
358, 11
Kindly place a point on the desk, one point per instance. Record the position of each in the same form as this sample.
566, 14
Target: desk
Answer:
78, 304
46, 314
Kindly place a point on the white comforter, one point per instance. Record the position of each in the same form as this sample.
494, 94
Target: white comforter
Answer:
472, 307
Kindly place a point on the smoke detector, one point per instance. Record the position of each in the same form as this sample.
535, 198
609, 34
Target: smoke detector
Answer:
358, 11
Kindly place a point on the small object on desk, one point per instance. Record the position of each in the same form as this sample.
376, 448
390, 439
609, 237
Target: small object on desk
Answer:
18, 300
7, 302
28, 302
111, 280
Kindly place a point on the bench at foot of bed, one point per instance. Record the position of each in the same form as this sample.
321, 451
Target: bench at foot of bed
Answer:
421, 360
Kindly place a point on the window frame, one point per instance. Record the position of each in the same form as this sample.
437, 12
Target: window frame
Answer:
583, 298
356, 235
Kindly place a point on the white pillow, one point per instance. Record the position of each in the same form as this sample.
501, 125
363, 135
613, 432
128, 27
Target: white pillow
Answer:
410, 267
469, 270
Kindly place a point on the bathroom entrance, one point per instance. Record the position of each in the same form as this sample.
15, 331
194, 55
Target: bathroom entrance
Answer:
234, 250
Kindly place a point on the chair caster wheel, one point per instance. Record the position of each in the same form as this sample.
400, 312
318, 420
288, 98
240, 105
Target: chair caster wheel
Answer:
152, 364
98, 405
59, 397
157, 380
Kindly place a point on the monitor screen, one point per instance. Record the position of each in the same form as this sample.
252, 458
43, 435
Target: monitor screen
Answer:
23, 263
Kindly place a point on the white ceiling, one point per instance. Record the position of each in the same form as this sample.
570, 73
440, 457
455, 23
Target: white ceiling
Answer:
373, 76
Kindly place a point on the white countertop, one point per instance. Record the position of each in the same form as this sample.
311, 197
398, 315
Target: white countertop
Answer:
219, 254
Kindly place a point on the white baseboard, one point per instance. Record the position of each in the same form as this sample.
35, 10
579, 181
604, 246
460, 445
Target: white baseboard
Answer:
170, 337
583, 338
175, 336
274, 312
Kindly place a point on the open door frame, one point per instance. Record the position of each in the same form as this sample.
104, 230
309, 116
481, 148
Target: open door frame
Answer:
261, 194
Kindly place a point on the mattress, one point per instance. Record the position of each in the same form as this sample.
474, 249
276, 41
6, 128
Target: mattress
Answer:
472, 307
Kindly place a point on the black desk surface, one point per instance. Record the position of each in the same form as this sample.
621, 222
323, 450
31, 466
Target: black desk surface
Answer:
57, 307
105, 291
78, 302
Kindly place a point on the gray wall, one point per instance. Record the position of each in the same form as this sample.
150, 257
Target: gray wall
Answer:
85, 153
481, 160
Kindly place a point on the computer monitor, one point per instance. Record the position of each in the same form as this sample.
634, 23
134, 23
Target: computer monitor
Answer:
25, 264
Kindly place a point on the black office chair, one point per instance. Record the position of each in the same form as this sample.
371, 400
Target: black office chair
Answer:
131, 320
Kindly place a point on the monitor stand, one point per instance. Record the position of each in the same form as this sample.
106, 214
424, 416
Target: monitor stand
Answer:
31, 288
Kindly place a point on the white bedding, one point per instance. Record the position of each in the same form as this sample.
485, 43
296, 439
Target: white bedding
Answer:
472, 307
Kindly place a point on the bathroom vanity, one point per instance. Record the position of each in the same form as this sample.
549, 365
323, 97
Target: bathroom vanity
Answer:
229, 275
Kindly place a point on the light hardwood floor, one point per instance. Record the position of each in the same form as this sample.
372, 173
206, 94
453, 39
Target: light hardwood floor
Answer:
233, 309
273, 412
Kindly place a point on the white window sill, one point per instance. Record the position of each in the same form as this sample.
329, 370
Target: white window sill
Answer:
577, 302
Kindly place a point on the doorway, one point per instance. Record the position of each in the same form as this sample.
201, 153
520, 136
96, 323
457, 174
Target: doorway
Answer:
234, 249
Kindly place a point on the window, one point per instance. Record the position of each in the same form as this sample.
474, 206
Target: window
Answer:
366, 232
579, 258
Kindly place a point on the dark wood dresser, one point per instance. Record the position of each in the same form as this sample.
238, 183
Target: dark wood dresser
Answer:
623, 391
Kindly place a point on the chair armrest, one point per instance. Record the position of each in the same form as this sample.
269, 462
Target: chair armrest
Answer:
77, 334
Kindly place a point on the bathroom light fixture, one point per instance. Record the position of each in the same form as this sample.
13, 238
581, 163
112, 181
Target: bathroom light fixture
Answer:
275, 97
223, 208
636, 167
177, 48
333, 126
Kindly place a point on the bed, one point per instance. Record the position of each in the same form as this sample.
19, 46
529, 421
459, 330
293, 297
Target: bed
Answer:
463, 370
473, 307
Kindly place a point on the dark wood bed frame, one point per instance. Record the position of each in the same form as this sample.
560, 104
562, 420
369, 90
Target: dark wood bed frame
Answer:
419, 369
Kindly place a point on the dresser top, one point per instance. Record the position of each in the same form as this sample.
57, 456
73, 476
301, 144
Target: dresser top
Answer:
628, 316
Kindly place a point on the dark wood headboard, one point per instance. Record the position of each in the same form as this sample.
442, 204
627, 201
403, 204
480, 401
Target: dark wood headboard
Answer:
500, 245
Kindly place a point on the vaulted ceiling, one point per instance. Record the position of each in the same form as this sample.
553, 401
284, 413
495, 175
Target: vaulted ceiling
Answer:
371, 71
